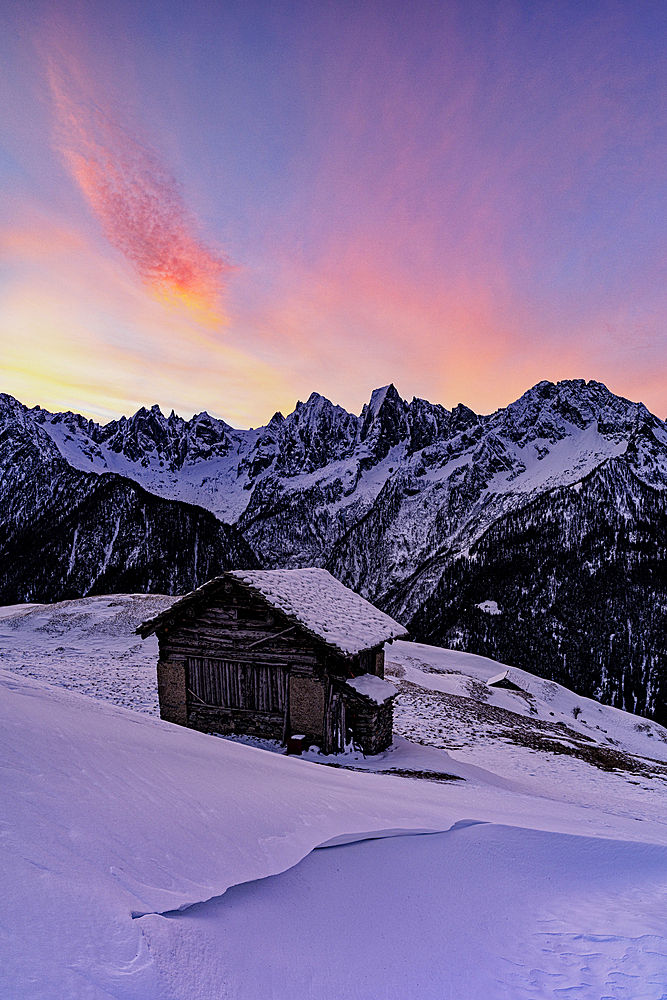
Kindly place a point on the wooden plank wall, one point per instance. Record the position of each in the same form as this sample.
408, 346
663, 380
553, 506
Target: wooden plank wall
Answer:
256, 686
334, 720
231, 626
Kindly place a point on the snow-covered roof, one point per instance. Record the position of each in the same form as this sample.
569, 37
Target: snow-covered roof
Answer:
324, 606
373, 687
312, 598
503, 680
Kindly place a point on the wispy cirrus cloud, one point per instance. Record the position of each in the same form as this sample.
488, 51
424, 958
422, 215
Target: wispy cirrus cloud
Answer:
136, 199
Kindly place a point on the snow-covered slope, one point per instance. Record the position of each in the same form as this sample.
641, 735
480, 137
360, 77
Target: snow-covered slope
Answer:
67, 533
144, 860
89, 647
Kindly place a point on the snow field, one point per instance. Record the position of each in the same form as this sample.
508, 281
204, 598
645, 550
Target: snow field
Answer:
87, 645
542, 876
453, 672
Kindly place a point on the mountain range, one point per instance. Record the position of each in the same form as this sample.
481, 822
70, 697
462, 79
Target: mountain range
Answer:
535, 535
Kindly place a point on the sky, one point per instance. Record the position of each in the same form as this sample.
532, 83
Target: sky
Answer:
226, 206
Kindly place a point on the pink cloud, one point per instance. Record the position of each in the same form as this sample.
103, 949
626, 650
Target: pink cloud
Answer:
137, 201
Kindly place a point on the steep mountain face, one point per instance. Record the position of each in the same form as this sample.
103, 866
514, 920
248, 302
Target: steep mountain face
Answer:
426, 511
574, 584
65, 534
443, 498
147, 437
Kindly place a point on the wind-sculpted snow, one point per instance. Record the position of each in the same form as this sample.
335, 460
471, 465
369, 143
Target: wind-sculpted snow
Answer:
493, 921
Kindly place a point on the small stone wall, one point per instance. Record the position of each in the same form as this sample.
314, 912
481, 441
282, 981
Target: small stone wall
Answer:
306, 707
228, 720
373, 725
171, 687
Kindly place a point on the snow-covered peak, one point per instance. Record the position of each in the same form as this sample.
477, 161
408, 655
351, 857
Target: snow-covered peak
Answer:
378, 397
304, 485
315, 434
20, 430
384, 421
552, 411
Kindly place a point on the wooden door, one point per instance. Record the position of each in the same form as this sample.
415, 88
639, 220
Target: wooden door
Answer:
334, 721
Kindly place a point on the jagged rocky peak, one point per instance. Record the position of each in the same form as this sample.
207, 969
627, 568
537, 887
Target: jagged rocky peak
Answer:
384, 421
136, 437
11, 411
388, 420
21, 435
149, 436
75, 423
463, 418
316, 433
313, 435
206, 437
551, 410
15, 414
429, 422
266, 448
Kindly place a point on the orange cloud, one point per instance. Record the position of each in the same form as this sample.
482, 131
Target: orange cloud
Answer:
137, 201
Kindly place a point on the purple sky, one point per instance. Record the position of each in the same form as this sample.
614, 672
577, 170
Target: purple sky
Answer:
226, 206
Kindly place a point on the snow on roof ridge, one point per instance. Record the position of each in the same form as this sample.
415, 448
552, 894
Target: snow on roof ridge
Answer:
498, 677
324, 606
507, 678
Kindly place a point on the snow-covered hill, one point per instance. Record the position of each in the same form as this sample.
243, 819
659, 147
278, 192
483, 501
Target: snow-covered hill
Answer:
554, 508
144, 860
89, 646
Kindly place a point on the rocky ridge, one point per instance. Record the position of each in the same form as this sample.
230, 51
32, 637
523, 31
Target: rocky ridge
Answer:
66, 533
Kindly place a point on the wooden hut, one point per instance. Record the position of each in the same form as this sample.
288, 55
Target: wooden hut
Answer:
275, 653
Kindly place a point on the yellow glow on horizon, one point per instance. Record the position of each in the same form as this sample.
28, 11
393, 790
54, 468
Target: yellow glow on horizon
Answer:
81, 333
